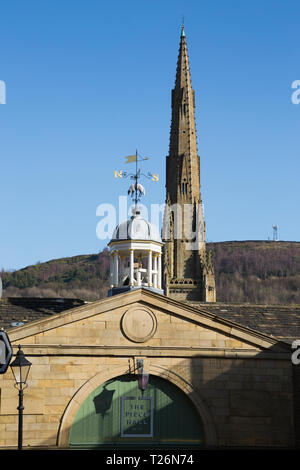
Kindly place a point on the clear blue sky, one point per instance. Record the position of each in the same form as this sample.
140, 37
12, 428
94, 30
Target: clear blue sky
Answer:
90, 81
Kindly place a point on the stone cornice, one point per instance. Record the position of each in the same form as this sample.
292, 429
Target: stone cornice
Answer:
150, 351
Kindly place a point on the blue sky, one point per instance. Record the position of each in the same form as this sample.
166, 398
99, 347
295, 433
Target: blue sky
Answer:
88, 82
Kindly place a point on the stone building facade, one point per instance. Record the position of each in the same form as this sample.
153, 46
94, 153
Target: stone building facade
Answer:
238, 381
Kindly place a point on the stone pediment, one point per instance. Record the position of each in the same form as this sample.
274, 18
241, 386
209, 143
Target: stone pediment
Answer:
142, 320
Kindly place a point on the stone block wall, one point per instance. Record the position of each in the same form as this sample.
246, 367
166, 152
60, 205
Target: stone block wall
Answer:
242, 391
248, 401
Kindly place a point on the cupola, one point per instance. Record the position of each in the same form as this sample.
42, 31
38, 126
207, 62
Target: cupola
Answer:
135, 247
135, 256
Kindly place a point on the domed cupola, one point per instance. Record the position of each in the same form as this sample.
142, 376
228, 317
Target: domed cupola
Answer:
135, 256
135, 253
136, 228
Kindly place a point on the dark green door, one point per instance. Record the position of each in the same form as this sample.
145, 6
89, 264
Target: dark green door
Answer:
118, 414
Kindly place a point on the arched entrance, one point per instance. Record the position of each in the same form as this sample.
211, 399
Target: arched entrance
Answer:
117, 414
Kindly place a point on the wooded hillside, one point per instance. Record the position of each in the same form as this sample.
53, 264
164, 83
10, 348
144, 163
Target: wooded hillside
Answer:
257, 271
250, 271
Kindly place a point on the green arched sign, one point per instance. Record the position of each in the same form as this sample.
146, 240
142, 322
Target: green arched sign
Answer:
118, 414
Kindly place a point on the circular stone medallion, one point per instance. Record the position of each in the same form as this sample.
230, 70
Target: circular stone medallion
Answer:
138, 324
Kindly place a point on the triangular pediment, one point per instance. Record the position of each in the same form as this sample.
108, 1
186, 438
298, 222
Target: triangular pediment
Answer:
142, 319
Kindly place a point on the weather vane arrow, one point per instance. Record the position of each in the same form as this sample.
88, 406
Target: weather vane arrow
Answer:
134, 158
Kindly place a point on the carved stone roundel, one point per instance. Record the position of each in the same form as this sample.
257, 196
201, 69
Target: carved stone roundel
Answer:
138, 324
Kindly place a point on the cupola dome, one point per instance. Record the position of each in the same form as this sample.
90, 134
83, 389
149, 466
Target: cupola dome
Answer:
136, 228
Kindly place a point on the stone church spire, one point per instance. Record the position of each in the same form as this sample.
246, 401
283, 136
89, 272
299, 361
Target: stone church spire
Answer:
188, 270
183, 139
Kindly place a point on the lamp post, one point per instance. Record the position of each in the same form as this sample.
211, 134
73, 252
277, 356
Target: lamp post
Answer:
20, 369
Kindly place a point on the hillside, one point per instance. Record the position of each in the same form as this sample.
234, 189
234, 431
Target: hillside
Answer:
246, 271
83, 276
257, 271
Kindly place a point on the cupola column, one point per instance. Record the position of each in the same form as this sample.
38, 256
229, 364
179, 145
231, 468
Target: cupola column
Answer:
131, 265
111, 270
116, 269
150, 268
155, 271
138, 278
159, 272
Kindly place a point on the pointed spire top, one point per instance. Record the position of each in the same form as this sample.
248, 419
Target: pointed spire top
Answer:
182, 28
183, 78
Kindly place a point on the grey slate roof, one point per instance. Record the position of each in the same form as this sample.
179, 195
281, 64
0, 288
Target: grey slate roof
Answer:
15, 311
280, 321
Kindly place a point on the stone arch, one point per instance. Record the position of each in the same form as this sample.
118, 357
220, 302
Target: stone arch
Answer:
84, 391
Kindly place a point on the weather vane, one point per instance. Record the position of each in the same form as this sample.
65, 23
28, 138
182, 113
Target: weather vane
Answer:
136, 190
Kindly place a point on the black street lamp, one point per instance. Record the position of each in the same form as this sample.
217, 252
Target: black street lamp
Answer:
20, 369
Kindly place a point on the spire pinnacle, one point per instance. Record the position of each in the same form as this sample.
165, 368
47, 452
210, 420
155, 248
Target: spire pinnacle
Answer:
182, 28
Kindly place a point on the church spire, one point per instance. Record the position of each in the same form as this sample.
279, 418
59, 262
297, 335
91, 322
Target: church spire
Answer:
187, 271
183, 139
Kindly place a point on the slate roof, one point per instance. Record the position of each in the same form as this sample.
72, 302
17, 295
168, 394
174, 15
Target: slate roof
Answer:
280, 321
15, 311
